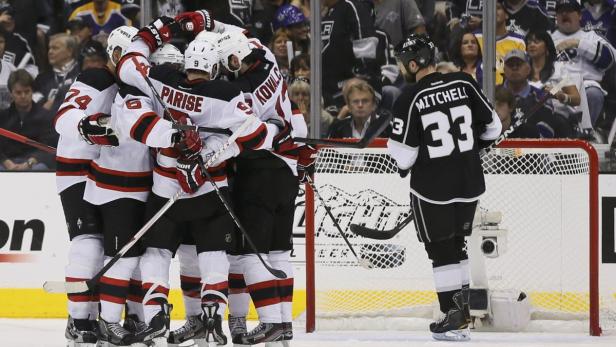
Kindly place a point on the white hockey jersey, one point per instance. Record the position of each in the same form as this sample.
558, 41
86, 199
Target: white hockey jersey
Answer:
92, 92
215, 104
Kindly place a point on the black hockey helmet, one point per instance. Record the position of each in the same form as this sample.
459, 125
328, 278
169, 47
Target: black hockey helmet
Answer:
418, 48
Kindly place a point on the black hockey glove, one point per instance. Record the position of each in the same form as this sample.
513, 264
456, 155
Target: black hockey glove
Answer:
282, 142
94, 130
161, 30
305, 163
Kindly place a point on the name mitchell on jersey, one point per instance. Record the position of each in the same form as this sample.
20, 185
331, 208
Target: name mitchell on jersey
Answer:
441, 97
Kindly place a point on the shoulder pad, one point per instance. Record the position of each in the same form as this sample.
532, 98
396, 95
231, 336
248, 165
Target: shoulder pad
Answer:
97, 78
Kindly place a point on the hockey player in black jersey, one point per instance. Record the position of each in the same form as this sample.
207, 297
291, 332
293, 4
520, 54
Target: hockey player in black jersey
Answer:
440, 124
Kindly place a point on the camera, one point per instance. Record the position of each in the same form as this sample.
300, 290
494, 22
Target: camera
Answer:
493, 242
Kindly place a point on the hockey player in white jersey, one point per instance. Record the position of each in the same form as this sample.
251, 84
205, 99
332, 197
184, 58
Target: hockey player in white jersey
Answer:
208, 103
252, 67
81, 122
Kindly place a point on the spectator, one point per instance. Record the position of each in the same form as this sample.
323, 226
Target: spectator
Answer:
172, 8
550, 10
236, 12
92, 55
505, 40
52, 85
362, 102
529, 98
398, 18
586, 52
34, 20
101, 15
278, 46
299, 92
466, 55
427, 9
131, 9
600, 16
5, 72
546, 71
300, 67
292, 19
28, 119
263, 17
303, 5
81, 31
349, 48
504, 106
526, 15
17, 50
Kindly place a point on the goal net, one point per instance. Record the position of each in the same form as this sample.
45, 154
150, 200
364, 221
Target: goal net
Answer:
546, 192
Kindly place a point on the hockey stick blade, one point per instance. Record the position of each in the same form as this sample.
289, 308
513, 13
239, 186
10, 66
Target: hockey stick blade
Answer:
374, 129
380, 234
55, 287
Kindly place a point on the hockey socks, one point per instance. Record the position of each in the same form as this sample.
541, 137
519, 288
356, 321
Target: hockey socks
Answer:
114, 288
263, 289
281, 260
239, 299
85, 258
214, 268
154, 267
190, 279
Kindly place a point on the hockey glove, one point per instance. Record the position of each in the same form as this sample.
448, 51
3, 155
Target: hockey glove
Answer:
161, 30
189, 174
196, 21
188, 143
282, 143
305, 163
94, 130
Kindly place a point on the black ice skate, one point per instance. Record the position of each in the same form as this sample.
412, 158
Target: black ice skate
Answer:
113, 334
264, 332
453, 325
237, 326
133, 324
80, 333
212, 324
191, 330
287, 333
157, 332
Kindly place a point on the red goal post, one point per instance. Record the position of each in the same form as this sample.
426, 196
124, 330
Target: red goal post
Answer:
333, 161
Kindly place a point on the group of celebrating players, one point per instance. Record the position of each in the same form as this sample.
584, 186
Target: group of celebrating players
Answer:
130, 141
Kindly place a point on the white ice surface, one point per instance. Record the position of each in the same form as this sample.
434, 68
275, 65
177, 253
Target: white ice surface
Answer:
50, 333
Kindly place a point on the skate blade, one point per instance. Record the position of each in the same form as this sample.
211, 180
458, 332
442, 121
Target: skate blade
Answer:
453, 335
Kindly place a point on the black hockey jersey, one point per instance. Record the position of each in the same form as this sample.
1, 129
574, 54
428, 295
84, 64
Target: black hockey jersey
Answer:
437, 128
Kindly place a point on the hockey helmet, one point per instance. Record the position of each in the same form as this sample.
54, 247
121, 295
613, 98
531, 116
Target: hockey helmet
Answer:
208, 36
418, 48
120, 37
202, 56
167, 53
233, 44
288, 15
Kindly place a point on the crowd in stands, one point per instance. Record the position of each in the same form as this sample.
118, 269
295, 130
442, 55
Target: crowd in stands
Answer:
45, 44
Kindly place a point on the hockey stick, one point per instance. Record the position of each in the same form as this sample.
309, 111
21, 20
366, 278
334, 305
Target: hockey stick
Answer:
277, 273
388, 234
91, 284
374, 130
201, 129
365, 263
20, 138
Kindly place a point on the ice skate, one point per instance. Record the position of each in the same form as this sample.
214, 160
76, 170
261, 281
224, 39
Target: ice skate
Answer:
237, 326
264, 332
157, 331
287, 333
133, 324
80, 333
212, 324
113, 335
453, 326
191, 330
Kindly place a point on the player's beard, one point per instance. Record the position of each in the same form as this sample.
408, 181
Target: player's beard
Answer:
408, 76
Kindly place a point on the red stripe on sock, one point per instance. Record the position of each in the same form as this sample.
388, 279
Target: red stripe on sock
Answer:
238, 290
267, 302
263, 285
79, 298
113, 299
216, 286
190, 279
114, 281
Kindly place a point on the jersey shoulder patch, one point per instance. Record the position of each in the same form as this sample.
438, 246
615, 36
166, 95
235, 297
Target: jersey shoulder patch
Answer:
97, 78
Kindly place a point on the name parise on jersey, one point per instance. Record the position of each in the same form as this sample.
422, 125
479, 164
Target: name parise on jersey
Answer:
441, 119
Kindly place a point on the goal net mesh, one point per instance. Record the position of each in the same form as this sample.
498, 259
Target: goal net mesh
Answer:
543, 195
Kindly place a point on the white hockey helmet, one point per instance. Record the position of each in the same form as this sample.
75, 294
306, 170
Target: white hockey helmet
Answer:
231, 44
208, 36
202, 56
120, 37
167, 53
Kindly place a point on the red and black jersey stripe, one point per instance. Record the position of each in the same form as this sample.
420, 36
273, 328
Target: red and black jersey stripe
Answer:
80, 297
191, 286
144, 125
120, 180
237, 285
72, 167
135, 293
113, 290
264, 293
149, 292
215, 292
285, 289
253, 140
